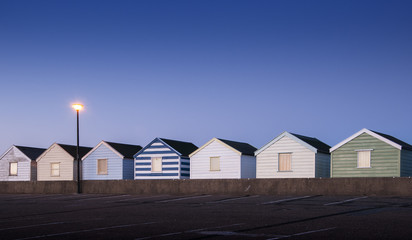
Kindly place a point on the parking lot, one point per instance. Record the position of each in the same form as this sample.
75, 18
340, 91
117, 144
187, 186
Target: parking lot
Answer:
92, 216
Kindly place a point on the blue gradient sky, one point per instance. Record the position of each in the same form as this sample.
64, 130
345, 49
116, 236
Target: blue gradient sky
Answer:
193, 70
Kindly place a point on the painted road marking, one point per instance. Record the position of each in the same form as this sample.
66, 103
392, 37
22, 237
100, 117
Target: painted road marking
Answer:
229, 233
302, 233
22, 218
29, 226
345, 201
98, 198
75, 197
180, 199
69, 196
29, 197
285, 200
232, 199
87, 230
203, 229
137, 198
188, 231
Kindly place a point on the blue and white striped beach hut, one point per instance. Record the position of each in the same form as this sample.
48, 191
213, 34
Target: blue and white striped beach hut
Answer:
109, 161
164, 159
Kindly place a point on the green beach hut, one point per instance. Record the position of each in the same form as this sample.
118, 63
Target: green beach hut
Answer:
371, 154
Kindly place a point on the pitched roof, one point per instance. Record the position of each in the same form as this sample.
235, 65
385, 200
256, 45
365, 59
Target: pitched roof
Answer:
31, 152
393, 139
314, 142
383, 137
126, 150
70, 149
184, 148
244, 148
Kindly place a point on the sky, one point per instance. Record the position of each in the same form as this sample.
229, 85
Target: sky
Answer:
193, 70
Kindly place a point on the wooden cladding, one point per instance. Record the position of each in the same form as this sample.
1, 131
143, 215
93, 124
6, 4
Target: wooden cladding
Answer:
156, 164
13, 169
55, 169
102, 166
364, 159
285, 162
214, 163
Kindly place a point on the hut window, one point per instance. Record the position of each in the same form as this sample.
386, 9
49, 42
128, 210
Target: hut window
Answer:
364, 158
55, 169
13, 169
102, 166
156, 164
215, 164
285, 162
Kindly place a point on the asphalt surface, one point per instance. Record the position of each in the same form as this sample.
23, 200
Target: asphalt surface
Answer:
92, 216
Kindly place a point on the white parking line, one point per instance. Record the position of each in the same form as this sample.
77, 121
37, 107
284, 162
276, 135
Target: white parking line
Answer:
188, 231
137, 198
230, 233
98, 198
87, 230
28, 197
302, 233
285, 200
29, 226
185, 198
345, 201
72, 196
233, 199
203, 229
22, 218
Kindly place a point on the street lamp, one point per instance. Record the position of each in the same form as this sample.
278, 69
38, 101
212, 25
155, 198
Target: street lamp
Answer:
78, 107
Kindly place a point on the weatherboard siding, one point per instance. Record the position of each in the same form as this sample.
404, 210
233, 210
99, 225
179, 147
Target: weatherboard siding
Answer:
114, 165
184, 168
23, 166
248, 166
170, 163
406, 163
56, 155
128, 168
385, 159
322, 165
229, 163
33, 171
303, 160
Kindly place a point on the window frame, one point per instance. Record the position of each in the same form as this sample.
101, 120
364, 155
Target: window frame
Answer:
290, 162
107, 166
218, 165
51, 169
370, 158
17, 168
153, 170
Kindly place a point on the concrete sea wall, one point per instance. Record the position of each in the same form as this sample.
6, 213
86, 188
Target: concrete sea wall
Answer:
298, 186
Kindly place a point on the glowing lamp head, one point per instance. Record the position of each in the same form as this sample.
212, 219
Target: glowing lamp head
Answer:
77, 107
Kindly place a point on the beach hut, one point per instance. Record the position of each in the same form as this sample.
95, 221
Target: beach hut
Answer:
291, 155
109, 161
369, 153
219, 159
18, 163
58, 162
164, 159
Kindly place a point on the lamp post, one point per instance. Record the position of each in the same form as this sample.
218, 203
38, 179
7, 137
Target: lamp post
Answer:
78, 107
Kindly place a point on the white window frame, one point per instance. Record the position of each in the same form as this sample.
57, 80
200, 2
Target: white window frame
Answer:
285, 153
358, 152
10, 168
51, 169
154, 159
213, 168
107, 166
